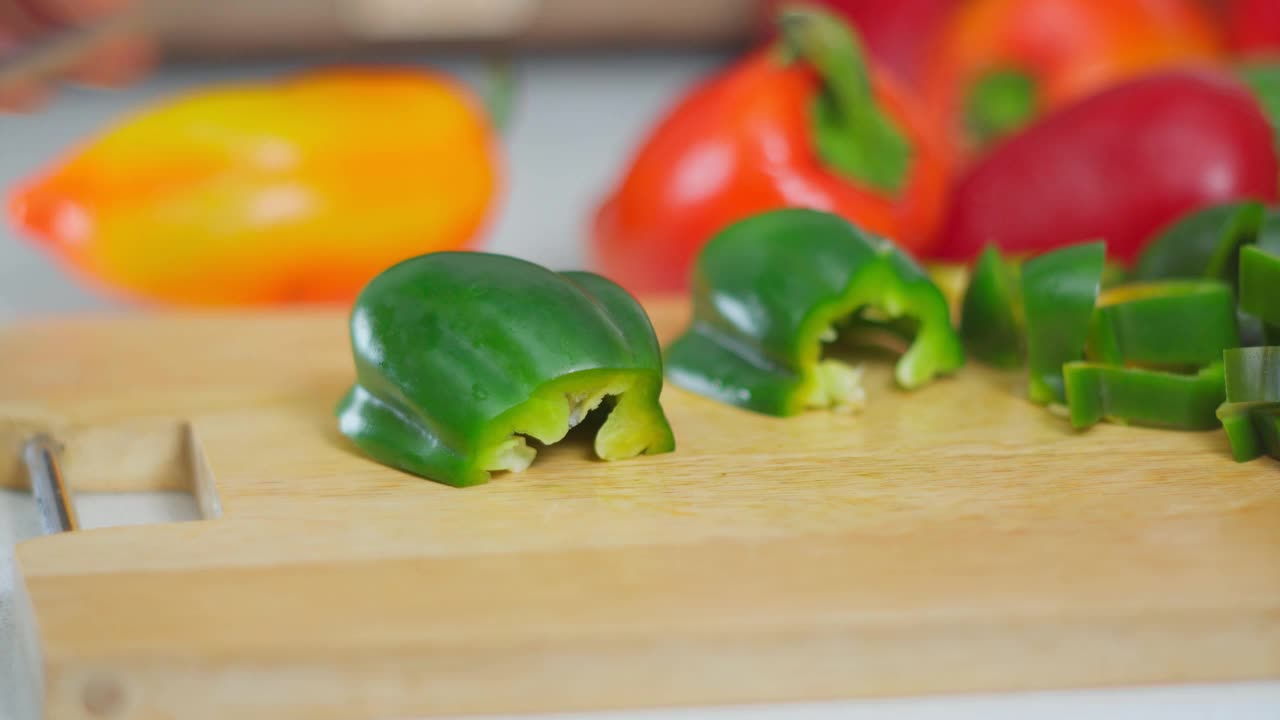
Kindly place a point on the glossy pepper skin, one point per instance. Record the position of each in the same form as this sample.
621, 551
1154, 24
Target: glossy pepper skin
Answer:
1171, 324
1141, 396
1263, 78
1260, 288
800, 123
1002, 63
1253, 27
771, 289
1210, 243
293, 190
1119, 165
991, 317
458, 355
1251, 413
1204, 243
1059, 291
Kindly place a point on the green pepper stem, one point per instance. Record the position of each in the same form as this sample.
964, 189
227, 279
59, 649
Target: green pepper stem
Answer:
999, 103
852, 132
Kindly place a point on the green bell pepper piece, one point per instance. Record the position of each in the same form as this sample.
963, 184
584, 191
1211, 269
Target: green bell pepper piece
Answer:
460, 355
1139, 396
1059, 289
1202, 244
1253, 374
1253, 429
1251, 413
1169, 324
769, 290
991, 321
1260, 288
1207, 244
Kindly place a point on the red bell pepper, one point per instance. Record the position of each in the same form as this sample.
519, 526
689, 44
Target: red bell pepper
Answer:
1000, 64
1253, 27
898, 33
803, 122
1117, 166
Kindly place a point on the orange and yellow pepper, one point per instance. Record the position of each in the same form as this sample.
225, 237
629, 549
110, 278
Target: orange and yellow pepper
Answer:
286, 191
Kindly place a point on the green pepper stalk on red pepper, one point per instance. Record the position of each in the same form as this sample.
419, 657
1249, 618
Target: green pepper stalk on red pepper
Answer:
459, 355
771, 289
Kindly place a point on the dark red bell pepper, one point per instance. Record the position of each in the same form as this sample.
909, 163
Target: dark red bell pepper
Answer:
1253, 26
1116, 166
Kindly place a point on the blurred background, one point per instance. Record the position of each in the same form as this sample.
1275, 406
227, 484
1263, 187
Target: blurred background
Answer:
591, 77
249, 165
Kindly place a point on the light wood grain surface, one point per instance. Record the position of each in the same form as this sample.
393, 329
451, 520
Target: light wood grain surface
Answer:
952, 539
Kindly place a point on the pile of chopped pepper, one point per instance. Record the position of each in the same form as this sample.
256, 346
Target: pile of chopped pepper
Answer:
1187, 340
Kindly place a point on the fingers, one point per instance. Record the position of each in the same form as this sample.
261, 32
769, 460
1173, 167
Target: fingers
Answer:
117, 61
26, 97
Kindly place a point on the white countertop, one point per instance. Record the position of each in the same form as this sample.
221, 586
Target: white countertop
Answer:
560, 159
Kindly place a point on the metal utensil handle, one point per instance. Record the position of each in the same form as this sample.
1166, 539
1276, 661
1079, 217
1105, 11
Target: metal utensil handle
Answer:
53, 500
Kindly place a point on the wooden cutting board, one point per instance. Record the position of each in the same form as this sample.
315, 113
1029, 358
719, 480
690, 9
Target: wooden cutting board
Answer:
953, 539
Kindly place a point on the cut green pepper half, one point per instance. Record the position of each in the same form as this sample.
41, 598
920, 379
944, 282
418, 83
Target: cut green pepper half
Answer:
991, 320
1059, 289
1169, 324
460, 355
770, 290
1138, 396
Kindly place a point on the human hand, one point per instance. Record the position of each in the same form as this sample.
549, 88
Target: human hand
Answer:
116, 60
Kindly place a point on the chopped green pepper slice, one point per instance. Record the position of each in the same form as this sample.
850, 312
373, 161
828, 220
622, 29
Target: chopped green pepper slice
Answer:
1139, 396
1059, 289
769, 290
1170, 324
459, 355
991, 316
1207, 244
1202, 244
1253, 429
1251, 413
1253, 374
1260, 288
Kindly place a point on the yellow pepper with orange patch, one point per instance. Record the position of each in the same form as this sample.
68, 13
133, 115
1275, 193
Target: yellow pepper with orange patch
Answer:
295, 190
